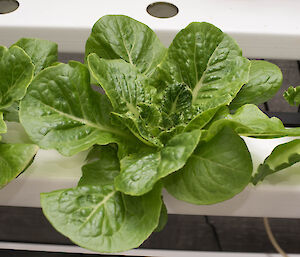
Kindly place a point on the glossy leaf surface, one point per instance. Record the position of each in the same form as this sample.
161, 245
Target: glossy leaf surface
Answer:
43, 53
121, 81
16, 73
14, 159
102, 167
121, 37
265, 79
140, 171
250, 121
61, 111
100, 218
216, 171
204, 58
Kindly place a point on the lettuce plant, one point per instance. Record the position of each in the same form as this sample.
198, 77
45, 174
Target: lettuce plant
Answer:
18, 65
170, 118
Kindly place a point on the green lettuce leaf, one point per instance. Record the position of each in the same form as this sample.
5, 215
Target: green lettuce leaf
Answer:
140, 171
163, 218
265, 79
215, 172
16, 73
176, 105
2, 50
11, 113
43, 53
126, 89
121, 37
61, 111
138, 127
98, 217
292, 95
102, 167
122, 83
250, 121
208, 61
202, 119
15, 158
3, 128
283, 156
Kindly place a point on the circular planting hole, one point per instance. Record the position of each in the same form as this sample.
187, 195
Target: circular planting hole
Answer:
162, 10
7, 6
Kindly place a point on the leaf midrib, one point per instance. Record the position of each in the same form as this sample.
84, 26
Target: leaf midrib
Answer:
199, 83
83, 121
96, 208
212, 161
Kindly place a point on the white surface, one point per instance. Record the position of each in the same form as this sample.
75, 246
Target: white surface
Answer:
277, 196
137, 252
263, 28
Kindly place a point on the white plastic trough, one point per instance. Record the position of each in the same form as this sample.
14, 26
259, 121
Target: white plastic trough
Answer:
277, 196
263, 29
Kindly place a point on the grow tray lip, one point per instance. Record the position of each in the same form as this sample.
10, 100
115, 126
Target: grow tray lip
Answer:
277, 196
65, 22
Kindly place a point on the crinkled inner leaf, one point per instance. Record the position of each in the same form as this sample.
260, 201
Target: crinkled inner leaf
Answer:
176, 106
126, 89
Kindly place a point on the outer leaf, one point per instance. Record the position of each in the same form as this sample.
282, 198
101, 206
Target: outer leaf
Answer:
43, 53
283, 156
250, 121
14, 159
101, 219
16, 72
265, 79
61, 111
292, 95
208, 61
216, 171
163, 218
140, 171
102, 167
118, 36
